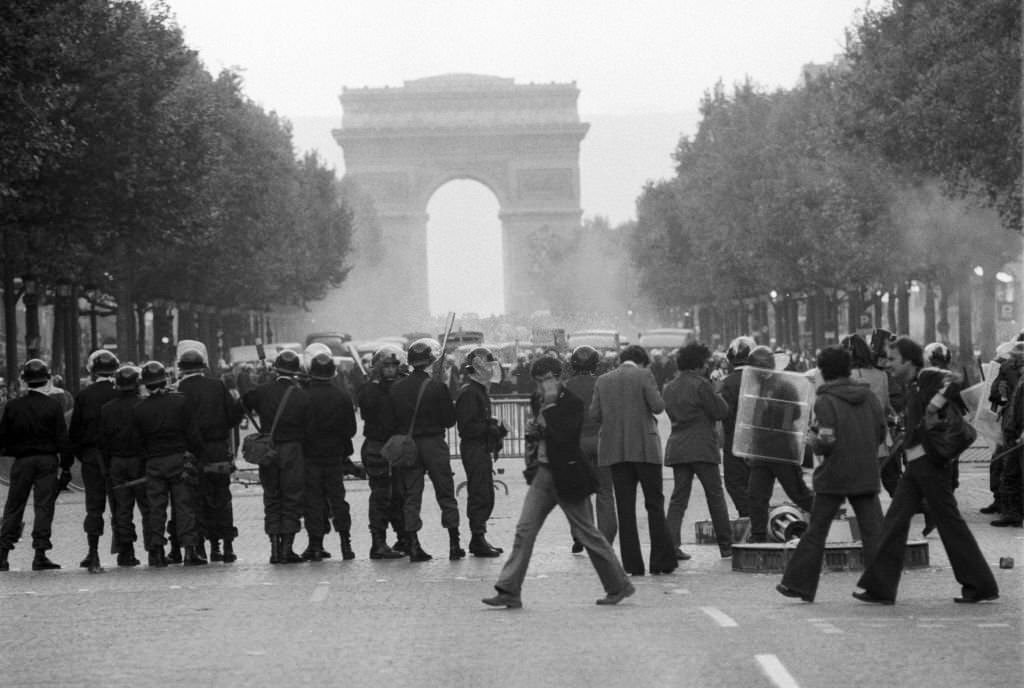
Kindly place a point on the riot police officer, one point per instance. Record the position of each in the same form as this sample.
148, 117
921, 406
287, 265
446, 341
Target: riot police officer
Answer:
168, 432
282, 480
327, 444
218, 413
735, 471
84, 432
479, 434
434, 416
122, 453
34, 432
385, 489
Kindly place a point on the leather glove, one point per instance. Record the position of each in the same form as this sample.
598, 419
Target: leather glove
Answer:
64, 480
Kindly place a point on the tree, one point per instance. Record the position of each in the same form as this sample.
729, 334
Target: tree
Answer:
935, 86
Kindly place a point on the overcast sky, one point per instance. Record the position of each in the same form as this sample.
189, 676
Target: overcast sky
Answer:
628, 57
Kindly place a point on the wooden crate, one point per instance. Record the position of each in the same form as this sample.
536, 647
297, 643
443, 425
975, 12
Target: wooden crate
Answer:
772, 557
705, 531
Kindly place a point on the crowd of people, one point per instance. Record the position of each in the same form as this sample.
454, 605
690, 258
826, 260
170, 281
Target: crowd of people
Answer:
883, 407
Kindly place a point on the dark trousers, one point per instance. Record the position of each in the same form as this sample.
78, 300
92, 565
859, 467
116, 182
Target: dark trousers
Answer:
381, 480
94, 478
325, 497
626, 476
604, 500
924, 479
122, 470
995, 471
711, 481
763, 475
36, 474
479, 469
283, 484
165, 478
891, 470
1011, 485
214, 510
737, 478
804, 568
434, 460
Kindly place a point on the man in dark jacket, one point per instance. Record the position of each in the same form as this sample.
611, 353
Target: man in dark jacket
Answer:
433, 417
927, 477
735, 471
328, 443
478, 433
850, 426
385, 502
558, 476
84, 433
283, 480
218, 413
168, 433
122, 451
33, 431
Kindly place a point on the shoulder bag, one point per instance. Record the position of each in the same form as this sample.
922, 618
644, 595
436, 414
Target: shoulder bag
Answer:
400, 450
258, 448
948, 435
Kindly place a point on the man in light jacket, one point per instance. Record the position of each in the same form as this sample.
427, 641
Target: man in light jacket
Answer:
625, 403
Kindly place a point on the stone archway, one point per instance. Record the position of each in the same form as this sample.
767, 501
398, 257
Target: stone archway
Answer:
402, 144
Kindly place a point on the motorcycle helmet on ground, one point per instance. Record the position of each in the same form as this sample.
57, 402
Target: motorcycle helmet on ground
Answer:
786, 522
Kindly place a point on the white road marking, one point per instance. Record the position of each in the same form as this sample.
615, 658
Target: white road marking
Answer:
931, 625
678, 591
720, 617
382, 580
828, 628
776, 671
174, 587
993, 625
320, 592
83, 590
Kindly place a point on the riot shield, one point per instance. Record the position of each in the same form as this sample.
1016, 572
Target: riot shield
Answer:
979, 411
772, 416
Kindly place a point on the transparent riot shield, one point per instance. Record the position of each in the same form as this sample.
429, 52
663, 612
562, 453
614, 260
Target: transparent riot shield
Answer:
979, 410
773, 414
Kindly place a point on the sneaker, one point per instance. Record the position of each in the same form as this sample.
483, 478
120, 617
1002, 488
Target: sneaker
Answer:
503, 599
616, 597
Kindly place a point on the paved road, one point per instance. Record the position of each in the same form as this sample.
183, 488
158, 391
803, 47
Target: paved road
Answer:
364, 623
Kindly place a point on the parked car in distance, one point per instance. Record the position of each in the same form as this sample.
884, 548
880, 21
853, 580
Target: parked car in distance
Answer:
249, 353
335, 341
667, 338
602, 340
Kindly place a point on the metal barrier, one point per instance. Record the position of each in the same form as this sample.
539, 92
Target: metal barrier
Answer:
513, 411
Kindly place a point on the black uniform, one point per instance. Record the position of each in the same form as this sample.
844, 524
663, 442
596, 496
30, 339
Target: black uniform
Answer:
327, 443
436, 414
85, 435
122, 451
385, 503
283, 481
473, 415
33, 431
735, 471
218, 414
167, 428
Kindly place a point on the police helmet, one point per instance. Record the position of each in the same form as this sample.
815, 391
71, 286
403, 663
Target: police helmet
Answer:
761, 357
126, 378
191, 360
937, 355
786, 522
154, 374
287, 363
424, 352
387, 354
102, 362
739, 349
322, 367
480, 354
35, 372
584, 359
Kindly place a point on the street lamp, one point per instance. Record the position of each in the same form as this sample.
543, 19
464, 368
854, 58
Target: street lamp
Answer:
91, 293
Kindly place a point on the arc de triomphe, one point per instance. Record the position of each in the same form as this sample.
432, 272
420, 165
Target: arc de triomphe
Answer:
401, 144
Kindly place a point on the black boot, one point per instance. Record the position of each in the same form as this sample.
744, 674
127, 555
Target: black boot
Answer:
200, 550
174, 556
193, 556
379, 547
275, 548
215, 553
401, 544
157, 559
42, 563
455, 550
346, 547
92, 559
126, 555
4, 564
479, 547
416, 552
229, 552
315, 549
287, 555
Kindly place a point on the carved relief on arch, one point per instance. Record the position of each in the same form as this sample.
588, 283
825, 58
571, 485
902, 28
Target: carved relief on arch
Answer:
546, 184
